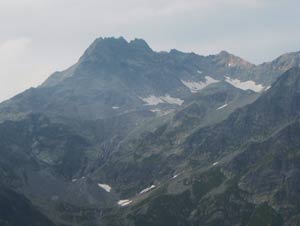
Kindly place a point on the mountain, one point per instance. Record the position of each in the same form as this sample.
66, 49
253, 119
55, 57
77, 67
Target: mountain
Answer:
270, 71
242, 171
115, 76
130, 136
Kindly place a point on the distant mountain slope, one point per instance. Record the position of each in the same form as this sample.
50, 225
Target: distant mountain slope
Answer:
243, 171
158, 145
48, 163
16, 210
270, 71
275, 109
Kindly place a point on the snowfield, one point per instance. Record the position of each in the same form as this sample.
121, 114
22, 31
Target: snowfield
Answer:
152, 100
197, 86
167, 99
247, 85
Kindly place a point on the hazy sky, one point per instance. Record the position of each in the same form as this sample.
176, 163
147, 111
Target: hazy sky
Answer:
39, 37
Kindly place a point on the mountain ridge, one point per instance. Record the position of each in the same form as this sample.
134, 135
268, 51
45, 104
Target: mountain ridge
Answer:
130, 136
128, 73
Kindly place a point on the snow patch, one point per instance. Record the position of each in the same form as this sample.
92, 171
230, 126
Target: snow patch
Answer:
267, 88
247, 85
167, 112
124, 202
161, 112
197, 86
172, 100
115, 107
199, 72
223, 106
74, 180
106, 187
154, 100
175, 176
155, 110
216, 163
147, 189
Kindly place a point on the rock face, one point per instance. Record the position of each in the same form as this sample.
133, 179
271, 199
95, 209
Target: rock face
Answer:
130, 136
17, 210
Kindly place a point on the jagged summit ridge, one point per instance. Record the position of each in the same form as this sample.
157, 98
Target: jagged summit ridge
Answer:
115, 47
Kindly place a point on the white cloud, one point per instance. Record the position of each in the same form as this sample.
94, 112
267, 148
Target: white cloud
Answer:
13, 49
19, 70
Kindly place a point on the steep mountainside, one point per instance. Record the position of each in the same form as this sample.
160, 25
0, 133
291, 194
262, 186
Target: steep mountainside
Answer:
130, 136
243, 171
16, 210
275, 109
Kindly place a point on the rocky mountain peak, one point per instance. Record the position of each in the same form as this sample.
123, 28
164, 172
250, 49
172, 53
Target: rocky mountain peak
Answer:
140, 44
224, 53
287, 61
231, 60
112, 49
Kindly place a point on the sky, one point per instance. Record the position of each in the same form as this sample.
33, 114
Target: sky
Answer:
38, 37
